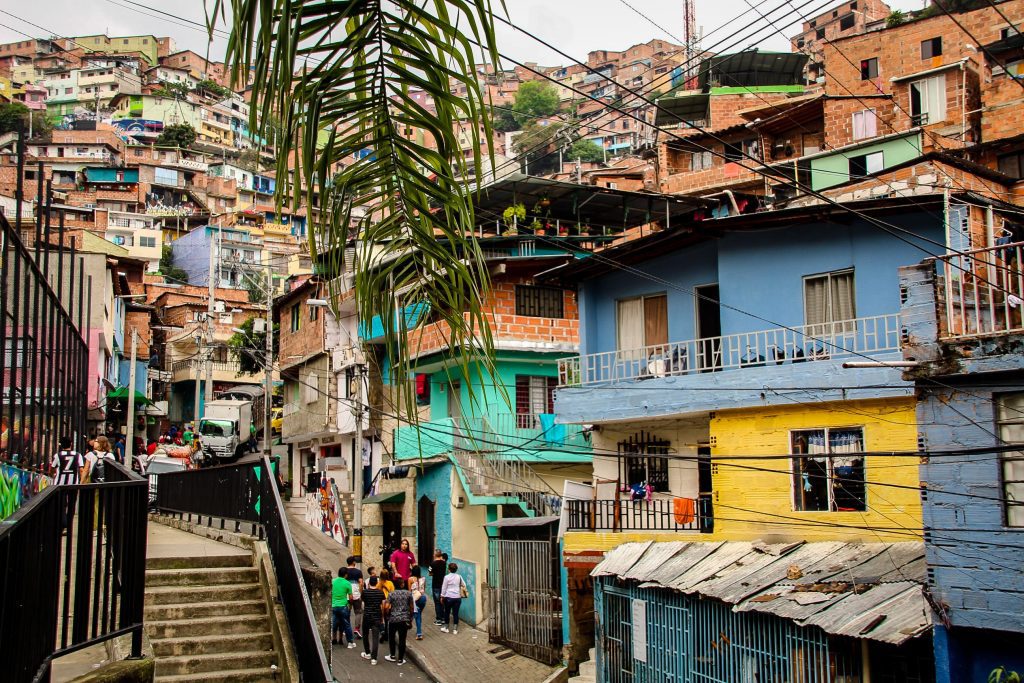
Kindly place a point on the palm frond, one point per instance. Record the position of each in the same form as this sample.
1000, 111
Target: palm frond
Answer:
337, 75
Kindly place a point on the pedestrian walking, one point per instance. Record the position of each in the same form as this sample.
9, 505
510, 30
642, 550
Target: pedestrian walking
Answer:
355, 602
418, 588
399, 620
341, 624
97, 459
68, 468
402, 560
373, 617
437, 571
453, 590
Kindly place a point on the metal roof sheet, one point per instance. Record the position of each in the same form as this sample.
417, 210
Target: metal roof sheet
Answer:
859, 590
523, 521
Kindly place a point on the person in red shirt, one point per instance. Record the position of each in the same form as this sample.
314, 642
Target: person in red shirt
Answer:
402, 560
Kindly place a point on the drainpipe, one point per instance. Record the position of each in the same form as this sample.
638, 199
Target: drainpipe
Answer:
727, 193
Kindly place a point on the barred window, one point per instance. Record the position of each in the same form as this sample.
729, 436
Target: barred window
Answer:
540, 302
643, 460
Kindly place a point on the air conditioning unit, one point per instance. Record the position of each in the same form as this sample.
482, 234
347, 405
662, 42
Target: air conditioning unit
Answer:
459, 502
219, 307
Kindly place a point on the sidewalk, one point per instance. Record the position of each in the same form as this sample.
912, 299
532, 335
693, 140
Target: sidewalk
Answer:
469, 658
315, 546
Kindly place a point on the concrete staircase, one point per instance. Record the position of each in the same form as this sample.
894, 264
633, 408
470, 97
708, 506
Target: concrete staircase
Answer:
207, 620
588, 669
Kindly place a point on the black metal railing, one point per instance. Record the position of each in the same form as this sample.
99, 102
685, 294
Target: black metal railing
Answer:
248, 492
72, 572
44, 377
659, 514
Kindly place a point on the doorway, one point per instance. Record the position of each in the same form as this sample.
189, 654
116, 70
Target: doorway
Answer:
709, 327
705, 489
455, 400
391, 535
425, 531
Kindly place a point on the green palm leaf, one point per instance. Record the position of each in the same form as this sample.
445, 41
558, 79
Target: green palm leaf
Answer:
337, 75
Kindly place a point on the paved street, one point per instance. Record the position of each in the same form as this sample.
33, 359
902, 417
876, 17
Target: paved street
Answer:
347, 665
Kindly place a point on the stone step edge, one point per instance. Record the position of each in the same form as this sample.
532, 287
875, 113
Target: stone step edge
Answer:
204, 620
184, 659
220, 675
184, 640
232, 603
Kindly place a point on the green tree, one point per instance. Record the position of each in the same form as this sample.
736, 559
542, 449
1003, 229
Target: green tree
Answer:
340, 82
538, 144
250, 348
180, 135
505, 121
585, 150
213, 88
13, 116
534, 99
896, 18
168, 269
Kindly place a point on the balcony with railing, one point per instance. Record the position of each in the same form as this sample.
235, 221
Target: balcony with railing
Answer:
784, 346
981, 292
523, 436
658, 514
223, 371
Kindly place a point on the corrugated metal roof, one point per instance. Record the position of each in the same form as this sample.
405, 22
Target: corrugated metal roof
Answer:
522, 521
859, 590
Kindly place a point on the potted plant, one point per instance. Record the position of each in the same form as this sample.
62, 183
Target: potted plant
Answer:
583, 229
537, 227
511, 232
563, 230
514, 215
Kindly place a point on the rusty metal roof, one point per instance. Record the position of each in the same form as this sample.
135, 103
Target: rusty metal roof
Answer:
858, 590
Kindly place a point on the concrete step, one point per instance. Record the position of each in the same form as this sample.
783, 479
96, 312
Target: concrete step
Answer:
205, 609
192, 645
206, 562
186, 595
206, 626
201, 577
235, 660
588, 668
238, 676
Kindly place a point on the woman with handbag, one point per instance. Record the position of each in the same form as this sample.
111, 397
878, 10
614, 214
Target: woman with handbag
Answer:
453, 590
418, 587
399, 620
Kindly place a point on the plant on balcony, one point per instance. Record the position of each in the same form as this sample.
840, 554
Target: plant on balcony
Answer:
537, 227
1001, 675
563, 230
514, 215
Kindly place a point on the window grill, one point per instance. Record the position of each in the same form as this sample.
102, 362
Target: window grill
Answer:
643, 458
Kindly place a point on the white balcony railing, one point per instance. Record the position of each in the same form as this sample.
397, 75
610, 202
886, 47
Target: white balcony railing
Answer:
786, 345
984, 291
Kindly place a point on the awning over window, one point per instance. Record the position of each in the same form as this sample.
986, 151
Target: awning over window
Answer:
122, 394
691, 108
857, 590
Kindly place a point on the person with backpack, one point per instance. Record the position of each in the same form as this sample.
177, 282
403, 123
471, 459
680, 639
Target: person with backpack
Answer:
355, 577
97, 460
373, 617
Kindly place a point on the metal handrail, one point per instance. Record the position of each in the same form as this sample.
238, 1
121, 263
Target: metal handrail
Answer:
659, 514
784, 345
72, 572
248, 492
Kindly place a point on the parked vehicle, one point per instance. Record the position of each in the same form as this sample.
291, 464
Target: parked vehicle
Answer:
249, 392
157, 465
276, 421
225, 430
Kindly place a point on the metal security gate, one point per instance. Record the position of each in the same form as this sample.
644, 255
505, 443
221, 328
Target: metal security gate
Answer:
526, 603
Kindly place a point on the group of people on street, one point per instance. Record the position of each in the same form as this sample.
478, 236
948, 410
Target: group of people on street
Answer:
392, 600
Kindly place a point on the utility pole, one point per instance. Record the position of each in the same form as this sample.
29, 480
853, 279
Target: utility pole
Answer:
357, 475
129, 441
208, 393
268, 362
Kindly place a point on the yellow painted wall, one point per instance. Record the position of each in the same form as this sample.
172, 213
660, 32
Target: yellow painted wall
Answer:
469, 542
754, 500
889, 425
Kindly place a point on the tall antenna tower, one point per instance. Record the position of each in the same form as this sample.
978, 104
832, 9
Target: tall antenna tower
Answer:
691, 38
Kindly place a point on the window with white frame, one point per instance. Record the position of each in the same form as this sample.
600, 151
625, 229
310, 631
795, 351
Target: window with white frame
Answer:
865, 124
828, 299
828, 470
928, 100
1011, 430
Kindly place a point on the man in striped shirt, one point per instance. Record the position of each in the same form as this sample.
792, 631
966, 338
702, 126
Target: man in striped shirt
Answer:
67, 464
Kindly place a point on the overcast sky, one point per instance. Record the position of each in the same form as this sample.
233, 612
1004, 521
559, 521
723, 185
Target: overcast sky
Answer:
573, 26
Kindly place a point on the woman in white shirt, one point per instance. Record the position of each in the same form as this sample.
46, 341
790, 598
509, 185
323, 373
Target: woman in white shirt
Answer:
101, 451
418, 587
453, 589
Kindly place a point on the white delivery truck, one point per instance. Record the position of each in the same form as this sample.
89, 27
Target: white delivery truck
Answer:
225, 430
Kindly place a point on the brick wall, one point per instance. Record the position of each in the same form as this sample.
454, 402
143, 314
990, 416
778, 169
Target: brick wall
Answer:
839, 118
505, 325
309, 338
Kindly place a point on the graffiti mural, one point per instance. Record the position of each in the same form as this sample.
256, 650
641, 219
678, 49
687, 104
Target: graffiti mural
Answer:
17, 486
323, 511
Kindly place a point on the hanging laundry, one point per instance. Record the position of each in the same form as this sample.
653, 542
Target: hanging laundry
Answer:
684, 511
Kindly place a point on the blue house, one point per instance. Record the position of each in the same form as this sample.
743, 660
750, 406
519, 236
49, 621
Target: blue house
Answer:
726, 366
962, 315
